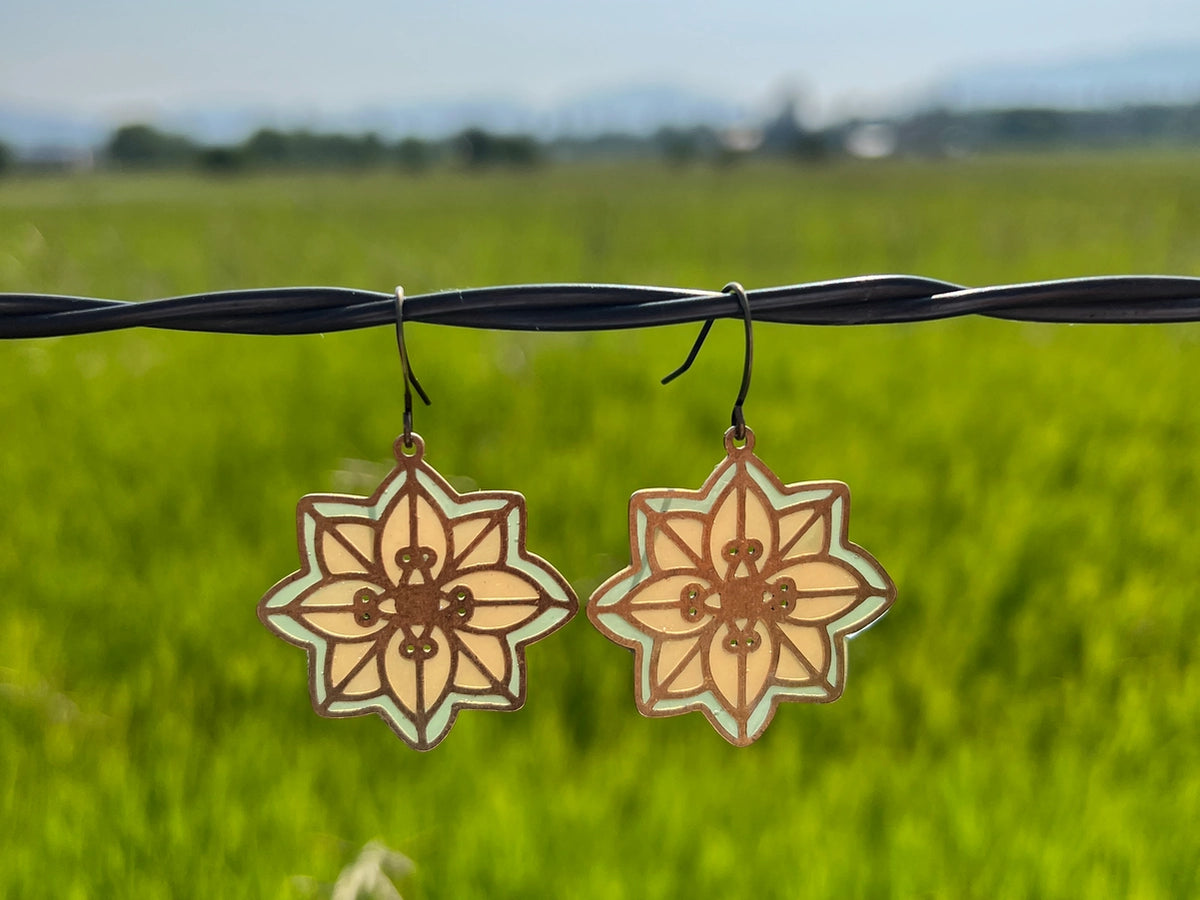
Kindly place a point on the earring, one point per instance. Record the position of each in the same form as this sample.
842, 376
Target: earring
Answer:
741, 595
417, 601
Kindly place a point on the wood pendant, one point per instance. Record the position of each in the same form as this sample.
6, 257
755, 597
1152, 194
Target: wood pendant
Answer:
416, 602
740, 595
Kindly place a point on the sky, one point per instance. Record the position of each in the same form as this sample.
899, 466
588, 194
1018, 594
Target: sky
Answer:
127, 57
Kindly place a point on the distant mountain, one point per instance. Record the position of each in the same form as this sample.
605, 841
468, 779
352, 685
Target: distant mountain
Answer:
32, 130
1154, 75
630, 110
1150, 75
642, 111
428, 119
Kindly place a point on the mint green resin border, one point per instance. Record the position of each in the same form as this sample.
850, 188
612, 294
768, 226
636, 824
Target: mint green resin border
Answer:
384, 705
843, 627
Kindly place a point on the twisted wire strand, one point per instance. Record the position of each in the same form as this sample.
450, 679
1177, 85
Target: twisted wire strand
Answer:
864, 300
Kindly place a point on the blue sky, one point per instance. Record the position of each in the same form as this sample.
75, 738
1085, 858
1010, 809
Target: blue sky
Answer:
127, 56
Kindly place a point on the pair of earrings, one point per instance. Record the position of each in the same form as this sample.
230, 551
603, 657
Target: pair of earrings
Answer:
418, 601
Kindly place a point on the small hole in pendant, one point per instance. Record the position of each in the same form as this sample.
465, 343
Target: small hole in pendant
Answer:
409, 446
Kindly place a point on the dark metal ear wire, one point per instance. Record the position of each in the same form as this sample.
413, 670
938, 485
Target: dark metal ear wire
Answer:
410, 377
691, 357
738, 418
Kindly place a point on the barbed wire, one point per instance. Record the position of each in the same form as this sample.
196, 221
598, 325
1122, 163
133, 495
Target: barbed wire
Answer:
864, 300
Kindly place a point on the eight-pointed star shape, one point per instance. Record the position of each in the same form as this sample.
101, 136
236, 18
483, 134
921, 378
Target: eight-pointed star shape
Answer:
417, 601
740, 595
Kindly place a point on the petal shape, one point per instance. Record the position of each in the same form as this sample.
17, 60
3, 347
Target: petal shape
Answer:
821, 589
741, 515
785, 545
346, 660
666, 622
757, 669
431, 532
759, 520
360, 535
655, 605
823, 607
365, 682
330, 610
803, 532
496, 584
689, 674
478, 541
803, 653
725, 667
340, 624
400, 650
677, 666
468, 675
396, 528
740, 664
345, 547
821, 574
676, 542
489, 655
664, 589
401, 674
501, 615
465, 531
435, 672
723, 528
411, 522
338, 592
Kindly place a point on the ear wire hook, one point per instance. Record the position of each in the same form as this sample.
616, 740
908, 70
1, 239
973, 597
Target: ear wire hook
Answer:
409, 377
738, 418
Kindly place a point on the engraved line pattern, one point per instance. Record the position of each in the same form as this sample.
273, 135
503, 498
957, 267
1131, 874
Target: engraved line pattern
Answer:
743, 604
416, 602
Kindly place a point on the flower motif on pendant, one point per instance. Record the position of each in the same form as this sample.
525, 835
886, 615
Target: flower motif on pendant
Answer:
417, 601
740, 595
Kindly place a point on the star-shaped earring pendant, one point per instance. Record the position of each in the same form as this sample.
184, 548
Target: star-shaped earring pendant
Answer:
416, 602
740, 595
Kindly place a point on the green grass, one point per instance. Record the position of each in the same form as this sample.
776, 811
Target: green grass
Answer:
1023, 723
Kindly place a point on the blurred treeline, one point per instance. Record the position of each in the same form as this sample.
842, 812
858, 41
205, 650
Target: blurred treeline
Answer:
934, 133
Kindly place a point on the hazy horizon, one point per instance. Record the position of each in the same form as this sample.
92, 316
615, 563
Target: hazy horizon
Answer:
133, 59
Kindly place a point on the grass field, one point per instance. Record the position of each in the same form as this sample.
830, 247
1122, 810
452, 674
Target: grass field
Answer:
1025, 722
